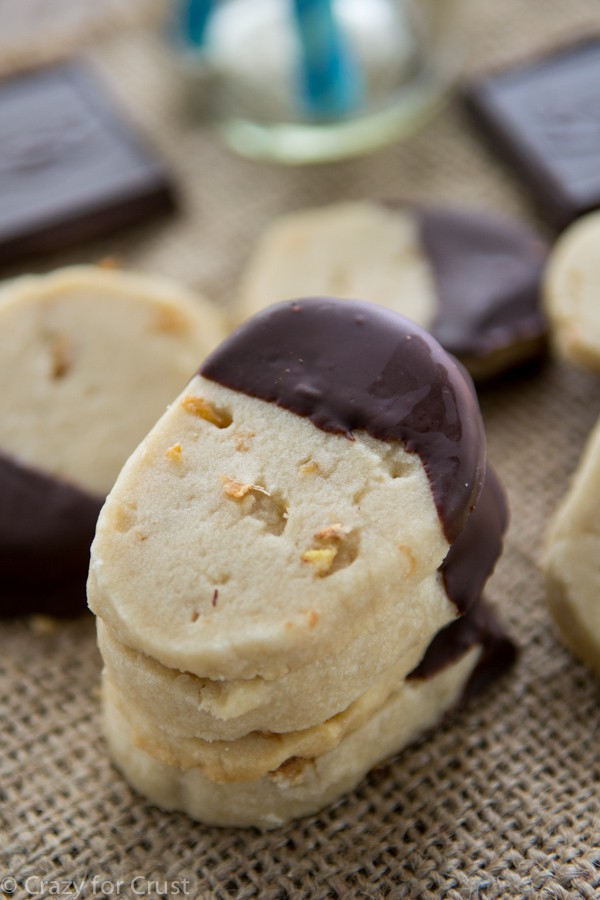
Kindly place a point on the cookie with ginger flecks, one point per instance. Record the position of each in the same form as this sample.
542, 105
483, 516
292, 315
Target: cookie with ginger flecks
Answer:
317, 493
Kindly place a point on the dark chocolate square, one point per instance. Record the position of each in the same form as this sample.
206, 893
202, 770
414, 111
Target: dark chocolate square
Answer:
545, 117
71, 165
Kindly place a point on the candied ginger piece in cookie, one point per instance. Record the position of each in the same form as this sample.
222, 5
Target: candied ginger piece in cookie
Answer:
471, 278
89, 359
572, 292
571, 559
288, 584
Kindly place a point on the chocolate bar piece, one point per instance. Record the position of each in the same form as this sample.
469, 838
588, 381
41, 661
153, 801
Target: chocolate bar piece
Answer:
544, 116
71, 166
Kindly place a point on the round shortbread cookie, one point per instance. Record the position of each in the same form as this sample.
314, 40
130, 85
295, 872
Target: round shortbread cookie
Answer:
89, 359
232, 563
92, 357
572, 292
572, 561
252, 755
187, 706
301, 786
258, 753
470, 278
246, 539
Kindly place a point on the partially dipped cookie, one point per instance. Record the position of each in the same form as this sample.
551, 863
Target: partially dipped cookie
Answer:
89, 359
280, 552
469, 277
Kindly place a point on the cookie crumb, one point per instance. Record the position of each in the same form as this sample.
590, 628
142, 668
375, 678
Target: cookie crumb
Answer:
313, 617
239, 489
174, 452
61, 355
197, 406
168, 320
291, 770
321, 559
336, 532
124, 518
311, 467
243, 440
195, 616
409, 556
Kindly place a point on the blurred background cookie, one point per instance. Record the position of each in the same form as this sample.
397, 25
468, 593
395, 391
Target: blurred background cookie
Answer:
89, 360
572, 292
471, 278
572, 559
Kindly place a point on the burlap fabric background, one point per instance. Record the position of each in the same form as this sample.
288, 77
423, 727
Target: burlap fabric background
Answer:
502, 802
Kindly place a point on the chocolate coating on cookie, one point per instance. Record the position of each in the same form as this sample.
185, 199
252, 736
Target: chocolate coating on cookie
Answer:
467, 567
349, 366
46, 528
487, 273
473, 555
478, 626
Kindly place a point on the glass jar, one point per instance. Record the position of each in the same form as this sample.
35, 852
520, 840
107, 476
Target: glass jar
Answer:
300, 81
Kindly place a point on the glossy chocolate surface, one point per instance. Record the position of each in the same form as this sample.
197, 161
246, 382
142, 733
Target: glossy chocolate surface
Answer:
347, 366
474, 553
487, 272
478, 626
544, 117
71, 166
46, 528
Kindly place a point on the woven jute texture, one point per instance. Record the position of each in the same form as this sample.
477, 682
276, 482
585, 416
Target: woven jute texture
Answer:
34, 32
503, 801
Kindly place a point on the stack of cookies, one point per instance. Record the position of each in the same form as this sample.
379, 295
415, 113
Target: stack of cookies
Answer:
288, 572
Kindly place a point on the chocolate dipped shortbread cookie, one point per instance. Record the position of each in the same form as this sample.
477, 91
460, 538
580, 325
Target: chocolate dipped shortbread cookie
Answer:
277, 564
470, 278
89, 360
